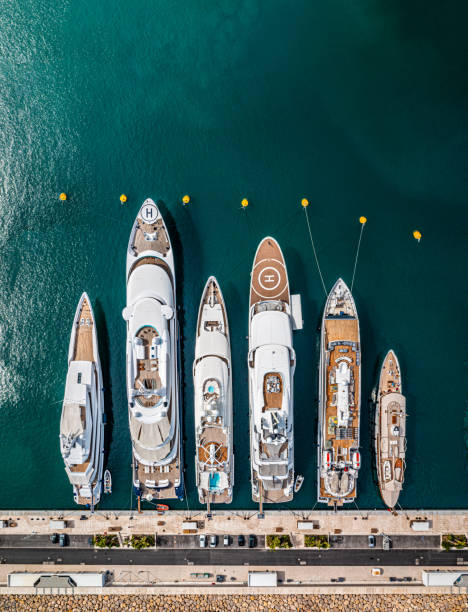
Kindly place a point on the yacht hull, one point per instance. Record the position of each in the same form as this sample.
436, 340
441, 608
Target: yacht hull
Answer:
339, 399
390, 431
153, 346
82, 421
271, 365
212, 375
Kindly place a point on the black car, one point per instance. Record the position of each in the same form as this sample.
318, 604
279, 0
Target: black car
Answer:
54, 538
241, 540
252, 541
220, 578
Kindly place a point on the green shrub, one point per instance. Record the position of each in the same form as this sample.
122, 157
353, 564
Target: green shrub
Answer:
141, 541
449, 540
318, 541
106, 541
278, 541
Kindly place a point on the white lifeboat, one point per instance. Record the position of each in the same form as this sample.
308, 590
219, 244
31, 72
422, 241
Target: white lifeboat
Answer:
327, 459
356, 460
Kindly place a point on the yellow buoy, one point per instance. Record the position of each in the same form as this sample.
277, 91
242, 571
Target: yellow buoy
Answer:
63, 196
186, 199
362, 220
305, 202
417, 235
123, 198
245, 203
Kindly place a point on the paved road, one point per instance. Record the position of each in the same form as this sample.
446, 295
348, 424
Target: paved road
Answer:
193, 541
397, 541
234, 557
41, 540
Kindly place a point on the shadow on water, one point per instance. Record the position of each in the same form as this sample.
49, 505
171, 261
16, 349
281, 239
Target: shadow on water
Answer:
104, 355
239, 348
366, 489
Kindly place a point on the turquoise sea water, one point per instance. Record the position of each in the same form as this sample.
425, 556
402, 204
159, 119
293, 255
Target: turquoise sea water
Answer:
359, 106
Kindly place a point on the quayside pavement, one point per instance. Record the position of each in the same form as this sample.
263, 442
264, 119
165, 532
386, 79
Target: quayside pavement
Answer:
239, 522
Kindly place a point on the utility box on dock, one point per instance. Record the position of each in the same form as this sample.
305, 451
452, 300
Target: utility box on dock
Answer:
307, 525
296, 312
190, 526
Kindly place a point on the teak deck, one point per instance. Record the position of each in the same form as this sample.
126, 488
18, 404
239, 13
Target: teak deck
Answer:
84, 334
345, 330
151, 237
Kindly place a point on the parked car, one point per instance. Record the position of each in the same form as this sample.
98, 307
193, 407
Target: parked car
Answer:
63, 539
213, 541
371, 541
386, 542
202, 540
241, 540
226, 540
220, 578
252, 541
54, 538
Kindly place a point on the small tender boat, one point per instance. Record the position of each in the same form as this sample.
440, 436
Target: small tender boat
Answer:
298, 482
162, 507
107, 482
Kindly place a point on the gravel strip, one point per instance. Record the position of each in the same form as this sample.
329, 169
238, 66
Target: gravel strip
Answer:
244, 603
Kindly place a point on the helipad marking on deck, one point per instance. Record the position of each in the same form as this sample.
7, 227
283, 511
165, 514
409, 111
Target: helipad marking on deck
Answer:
149, 212
269, 278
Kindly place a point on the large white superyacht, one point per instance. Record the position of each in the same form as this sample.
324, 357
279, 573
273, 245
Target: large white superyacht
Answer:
271, 363
152, 359
339, 458
82, 424
390, 431
212, 376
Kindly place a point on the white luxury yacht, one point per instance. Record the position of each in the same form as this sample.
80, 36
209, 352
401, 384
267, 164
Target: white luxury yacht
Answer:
214, 462
339, 458
152, 359
82, 425
390, 431
271, 364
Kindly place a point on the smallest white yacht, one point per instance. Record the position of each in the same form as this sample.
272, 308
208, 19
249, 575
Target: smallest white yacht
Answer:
214, 462
82, 424
390, 431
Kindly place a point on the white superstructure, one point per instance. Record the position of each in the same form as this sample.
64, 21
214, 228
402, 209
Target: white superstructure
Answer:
152, 358
212, 376
271, 363
81, 424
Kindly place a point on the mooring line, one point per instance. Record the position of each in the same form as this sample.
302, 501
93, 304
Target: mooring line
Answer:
362, 220
315, 252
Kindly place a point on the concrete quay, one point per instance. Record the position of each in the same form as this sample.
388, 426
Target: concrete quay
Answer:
239, 522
